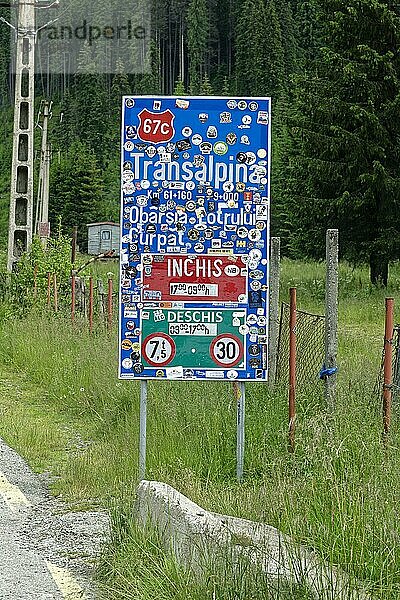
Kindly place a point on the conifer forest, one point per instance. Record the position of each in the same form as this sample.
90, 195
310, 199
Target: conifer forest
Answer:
332, 68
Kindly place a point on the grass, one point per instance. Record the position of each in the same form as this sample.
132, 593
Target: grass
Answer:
64, 409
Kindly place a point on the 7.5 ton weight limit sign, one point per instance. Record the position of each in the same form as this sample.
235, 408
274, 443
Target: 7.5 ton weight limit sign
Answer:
194, 238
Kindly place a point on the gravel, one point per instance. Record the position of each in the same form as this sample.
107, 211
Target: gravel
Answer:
44, 531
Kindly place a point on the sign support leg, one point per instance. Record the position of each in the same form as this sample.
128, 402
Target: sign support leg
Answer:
142, 429
241, 400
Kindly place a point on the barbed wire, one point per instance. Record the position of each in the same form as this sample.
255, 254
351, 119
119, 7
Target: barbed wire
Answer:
310, 346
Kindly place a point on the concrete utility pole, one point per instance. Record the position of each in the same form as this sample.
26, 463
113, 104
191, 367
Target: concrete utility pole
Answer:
21, 200
42, 225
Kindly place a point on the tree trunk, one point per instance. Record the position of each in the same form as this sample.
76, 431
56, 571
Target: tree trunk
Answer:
379, 269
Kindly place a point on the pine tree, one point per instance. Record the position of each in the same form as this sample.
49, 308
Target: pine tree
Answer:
76, 191
345, 171
197, 39
206, 87
259, 51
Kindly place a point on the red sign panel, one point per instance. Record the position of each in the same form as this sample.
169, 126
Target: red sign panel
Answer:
156, 127
194, 278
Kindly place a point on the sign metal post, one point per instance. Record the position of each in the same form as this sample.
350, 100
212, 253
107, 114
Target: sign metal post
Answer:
142, 429
239, 389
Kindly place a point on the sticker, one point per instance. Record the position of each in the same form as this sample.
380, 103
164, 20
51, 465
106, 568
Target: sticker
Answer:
212, 132
247, 119
261, 153
187, 132
225, 117
242, 105
205, 147
174, 372
245, 140
231, 138
128, 146
129, 103
262, 117
228, 186
203, 117
232, 374
184, 104
131, 132
256, 274
183, 145
197, 139
254, 235
127, 363
220, 148
250, 158
253, 105
231, 104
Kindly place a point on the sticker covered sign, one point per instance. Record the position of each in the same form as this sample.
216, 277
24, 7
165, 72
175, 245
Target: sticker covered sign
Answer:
194, 238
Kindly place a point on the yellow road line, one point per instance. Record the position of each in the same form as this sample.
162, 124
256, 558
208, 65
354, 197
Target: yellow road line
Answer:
12, 495
67, 585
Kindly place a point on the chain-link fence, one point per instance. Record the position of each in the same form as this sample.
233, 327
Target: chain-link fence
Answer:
395, 367
310, 346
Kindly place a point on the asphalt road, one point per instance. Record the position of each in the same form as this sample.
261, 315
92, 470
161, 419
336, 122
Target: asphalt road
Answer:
45, 552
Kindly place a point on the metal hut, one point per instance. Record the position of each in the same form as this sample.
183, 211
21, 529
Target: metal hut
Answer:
103, 237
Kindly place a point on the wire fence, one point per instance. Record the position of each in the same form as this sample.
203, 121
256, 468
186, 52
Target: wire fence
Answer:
395, 367
310, 346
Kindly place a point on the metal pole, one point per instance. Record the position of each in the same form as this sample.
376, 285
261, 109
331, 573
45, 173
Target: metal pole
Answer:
73, 248
42, 209
73, 294
240, 394
91, 304
142, 429
387, 366
55, 292
274, 266
292, 370
48, 290
331, 313
109, 303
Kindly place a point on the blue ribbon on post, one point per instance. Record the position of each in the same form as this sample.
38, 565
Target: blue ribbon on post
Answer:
327, 372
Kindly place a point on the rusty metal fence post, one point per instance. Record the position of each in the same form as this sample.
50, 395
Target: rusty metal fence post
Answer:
292, 370
73, 294
387, 366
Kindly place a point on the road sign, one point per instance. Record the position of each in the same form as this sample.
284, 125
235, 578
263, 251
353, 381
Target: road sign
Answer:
194, 238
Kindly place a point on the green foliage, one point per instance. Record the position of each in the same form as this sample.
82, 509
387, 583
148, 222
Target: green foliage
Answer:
77, 191
197, 39
259, 73
344, 167
35, 265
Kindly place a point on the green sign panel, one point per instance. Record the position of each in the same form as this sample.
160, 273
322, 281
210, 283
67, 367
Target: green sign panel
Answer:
193, 338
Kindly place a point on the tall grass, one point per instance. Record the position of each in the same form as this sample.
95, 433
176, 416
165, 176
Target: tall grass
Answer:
337, 494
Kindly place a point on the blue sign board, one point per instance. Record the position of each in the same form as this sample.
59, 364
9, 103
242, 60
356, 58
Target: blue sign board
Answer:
195, 176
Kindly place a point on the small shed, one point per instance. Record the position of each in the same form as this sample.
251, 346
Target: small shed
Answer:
103, 237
